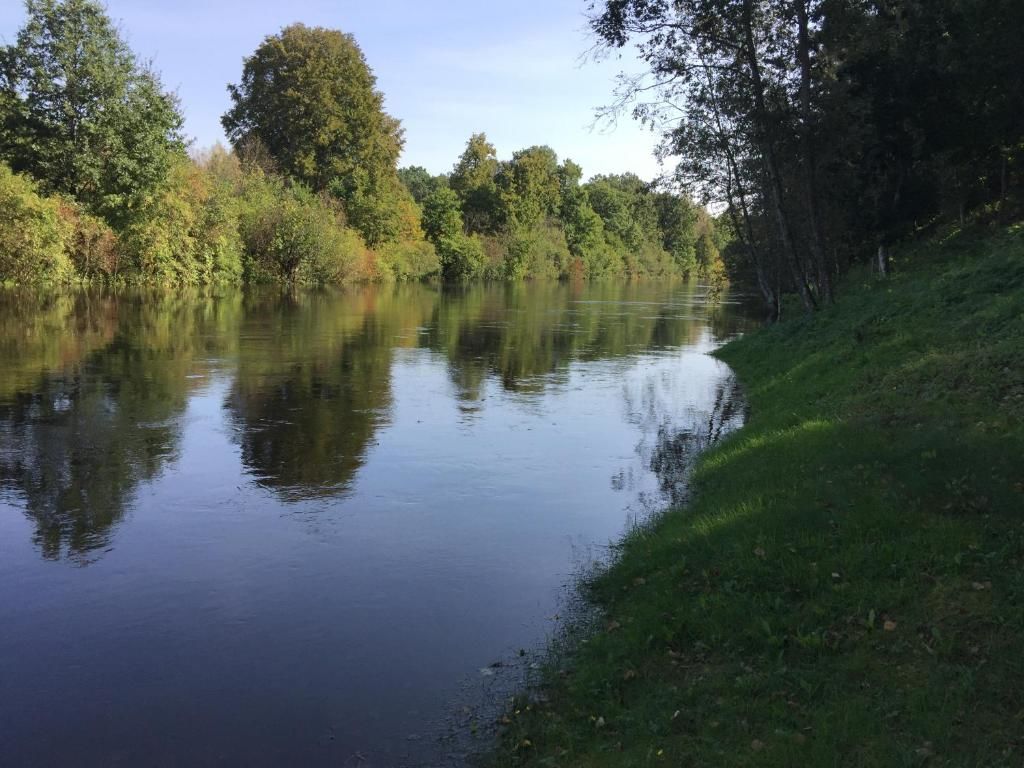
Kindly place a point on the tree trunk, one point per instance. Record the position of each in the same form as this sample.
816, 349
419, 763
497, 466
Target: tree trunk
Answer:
745, 232
745, 237
1003, 179
775, 193
810, 163
883, 259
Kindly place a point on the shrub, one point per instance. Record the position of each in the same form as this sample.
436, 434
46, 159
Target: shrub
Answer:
90, 244
219, 243
187, 232
409, 259
537, 252
654, 261
462, 257
32, 242
292, 234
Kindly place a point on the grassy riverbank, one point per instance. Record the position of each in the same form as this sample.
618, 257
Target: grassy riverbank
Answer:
848, 586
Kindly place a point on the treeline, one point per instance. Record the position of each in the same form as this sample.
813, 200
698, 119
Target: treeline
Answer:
96, 181
829, 129
531, 216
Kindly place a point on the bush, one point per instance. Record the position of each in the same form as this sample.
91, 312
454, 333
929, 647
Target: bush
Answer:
187, 232
410, 259
653, 261
537, 252
462, 257
219, 243
292, 234
89, 242
32, 236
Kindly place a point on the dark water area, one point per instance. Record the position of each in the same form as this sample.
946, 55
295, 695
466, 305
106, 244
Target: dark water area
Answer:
271, 529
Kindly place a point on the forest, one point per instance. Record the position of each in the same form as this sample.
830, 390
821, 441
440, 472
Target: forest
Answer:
801, 138
829, 129
99, 183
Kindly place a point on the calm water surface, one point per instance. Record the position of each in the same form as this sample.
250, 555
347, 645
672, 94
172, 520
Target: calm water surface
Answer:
272, 529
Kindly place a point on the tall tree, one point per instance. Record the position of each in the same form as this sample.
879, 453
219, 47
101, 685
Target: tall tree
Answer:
81, 113
473, 179
309, 97
419, 181
529, 186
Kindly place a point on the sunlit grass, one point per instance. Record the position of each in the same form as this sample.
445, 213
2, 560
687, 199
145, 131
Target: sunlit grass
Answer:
847, 587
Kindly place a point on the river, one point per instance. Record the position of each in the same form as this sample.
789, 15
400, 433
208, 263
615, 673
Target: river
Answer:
272, 528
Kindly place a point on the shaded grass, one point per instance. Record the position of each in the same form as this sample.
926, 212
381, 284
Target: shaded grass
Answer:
847, 587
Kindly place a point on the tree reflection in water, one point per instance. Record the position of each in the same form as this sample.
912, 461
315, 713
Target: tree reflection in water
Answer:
675, 449
94, 385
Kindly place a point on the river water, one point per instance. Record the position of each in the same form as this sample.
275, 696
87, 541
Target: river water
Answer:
274, 528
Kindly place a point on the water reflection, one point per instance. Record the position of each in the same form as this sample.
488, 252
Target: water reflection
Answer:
93, 385
315, 513
521, 332
311, 389
675, 445
104, 414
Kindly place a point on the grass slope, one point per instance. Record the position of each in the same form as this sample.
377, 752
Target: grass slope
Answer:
848, 586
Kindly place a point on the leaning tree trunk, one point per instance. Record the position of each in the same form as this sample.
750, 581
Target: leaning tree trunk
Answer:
775, 193
746, 237
745, 233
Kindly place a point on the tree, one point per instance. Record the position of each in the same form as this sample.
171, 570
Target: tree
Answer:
625, 207
584, 230
420, 182
309, 97
473, 179
529, 186
81, 114
677, 221
828, 128
460, 255
442, 216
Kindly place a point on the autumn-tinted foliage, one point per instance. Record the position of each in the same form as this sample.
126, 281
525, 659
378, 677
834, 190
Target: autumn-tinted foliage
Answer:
310, 191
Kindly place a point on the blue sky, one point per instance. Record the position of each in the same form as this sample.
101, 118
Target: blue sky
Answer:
510, 69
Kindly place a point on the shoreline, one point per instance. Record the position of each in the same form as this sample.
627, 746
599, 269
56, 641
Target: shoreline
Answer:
845, 586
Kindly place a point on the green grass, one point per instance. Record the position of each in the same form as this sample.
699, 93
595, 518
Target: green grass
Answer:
847, 588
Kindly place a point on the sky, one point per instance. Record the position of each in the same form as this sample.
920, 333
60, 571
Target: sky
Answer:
509, 68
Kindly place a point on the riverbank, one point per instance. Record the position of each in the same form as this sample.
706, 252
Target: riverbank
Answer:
847, 587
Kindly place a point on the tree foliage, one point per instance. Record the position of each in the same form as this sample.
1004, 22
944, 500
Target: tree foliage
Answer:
309, 97
308, 193
31, 237
827, 128
80, 113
